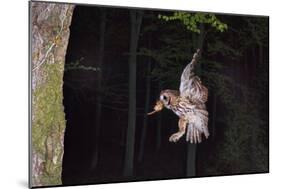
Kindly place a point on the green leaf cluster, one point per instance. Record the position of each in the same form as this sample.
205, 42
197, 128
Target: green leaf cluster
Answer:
192, 20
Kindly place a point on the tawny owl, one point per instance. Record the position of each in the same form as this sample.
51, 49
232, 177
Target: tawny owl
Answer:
188, 104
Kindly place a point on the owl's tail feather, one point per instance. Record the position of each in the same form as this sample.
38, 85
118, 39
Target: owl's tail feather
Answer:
196, 129
193, 134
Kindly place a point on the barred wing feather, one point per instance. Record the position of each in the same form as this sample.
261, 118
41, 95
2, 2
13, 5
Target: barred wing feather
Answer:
191, 86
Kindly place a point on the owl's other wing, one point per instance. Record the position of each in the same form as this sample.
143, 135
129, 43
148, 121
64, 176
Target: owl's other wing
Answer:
197, 126
191, 86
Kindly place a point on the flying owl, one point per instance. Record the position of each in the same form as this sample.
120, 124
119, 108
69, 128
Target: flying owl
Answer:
188, 104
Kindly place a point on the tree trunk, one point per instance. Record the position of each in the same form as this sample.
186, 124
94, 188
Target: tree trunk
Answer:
159, 123
191, 160
201, 38
49, 38
214, 111
191, 148
136, 18
260, 55
146, 108
246, 68
253, 65
99, 94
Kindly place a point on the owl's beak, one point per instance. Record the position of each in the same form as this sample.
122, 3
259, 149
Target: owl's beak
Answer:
157, 108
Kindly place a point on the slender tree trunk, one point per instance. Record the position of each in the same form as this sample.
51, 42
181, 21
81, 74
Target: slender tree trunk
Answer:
260, 54
214, 111
146, 108
49, 38
136, 19
191, 148
201, 38
191, 160
254, 128
159, 126
99, 94
253, 64
246, 67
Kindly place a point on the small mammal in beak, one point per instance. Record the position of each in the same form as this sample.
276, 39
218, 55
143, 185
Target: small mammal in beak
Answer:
157, 108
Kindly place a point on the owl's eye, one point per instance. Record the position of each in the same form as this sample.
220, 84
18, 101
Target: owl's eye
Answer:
163, 97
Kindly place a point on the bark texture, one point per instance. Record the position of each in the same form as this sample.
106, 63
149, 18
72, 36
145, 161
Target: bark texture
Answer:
49, 38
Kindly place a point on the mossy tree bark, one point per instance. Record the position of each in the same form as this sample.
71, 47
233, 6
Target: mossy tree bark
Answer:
49, 38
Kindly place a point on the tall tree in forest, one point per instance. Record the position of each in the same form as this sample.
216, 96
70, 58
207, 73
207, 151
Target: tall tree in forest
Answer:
146, 109
214, 113
147, 93
191, 148
99, 83
158, 125
49, 39
136, 20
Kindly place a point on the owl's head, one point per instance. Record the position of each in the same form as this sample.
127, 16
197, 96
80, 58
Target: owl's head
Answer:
168, 96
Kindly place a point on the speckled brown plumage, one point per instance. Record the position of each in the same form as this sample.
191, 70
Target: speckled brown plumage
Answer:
188, 104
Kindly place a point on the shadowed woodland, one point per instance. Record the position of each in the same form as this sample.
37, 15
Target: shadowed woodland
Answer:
118, 60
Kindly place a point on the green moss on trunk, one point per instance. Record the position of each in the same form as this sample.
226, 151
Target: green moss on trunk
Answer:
49, 123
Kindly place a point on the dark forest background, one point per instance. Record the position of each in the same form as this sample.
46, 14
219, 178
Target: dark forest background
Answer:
117, 62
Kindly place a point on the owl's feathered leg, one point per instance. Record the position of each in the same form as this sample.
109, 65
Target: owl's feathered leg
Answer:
182, 126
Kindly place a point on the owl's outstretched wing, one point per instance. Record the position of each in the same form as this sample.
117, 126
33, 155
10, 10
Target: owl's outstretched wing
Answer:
198, 126
191, 86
